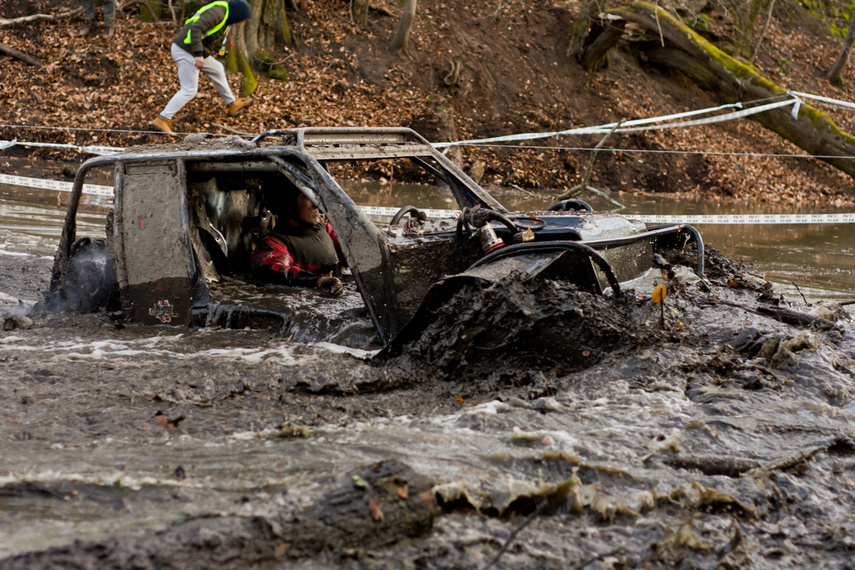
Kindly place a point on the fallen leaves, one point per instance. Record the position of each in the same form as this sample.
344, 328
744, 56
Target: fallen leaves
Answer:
375, 509
165, 422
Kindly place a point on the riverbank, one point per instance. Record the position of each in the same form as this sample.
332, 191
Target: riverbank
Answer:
515, 77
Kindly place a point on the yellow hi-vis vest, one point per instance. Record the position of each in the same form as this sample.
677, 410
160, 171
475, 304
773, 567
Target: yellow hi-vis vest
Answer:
198, 14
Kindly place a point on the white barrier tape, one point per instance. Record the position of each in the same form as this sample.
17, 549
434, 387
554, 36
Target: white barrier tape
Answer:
590, 130
626, 126
745, 219
716, 119
92, 149
92, 189
824, 99
429, 212
630, 126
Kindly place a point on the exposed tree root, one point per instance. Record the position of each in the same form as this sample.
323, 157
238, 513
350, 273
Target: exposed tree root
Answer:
728, 78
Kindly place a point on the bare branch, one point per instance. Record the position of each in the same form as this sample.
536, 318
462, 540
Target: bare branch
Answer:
756, 49
20, 55
37, 17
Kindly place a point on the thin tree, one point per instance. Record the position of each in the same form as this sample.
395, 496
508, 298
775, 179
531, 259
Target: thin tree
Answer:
759, 40
401, 41
746, 14
836, 71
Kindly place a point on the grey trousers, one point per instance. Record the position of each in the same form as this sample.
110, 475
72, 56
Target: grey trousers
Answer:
188, 75
109, 11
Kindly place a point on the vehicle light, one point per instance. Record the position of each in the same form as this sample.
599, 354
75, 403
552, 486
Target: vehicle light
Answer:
489, 240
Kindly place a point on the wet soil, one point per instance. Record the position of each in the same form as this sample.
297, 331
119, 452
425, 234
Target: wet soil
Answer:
698, 434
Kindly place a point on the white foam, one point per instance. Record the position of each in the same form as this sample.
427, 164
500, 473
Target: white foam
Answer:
339, 349
15, 253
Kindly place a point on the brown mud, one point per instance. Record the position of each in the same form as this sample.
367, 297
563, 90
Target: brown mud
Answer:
702, 435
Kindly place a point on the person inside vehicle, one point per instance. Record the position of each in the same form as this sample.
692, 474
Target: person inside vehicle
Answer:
300, 250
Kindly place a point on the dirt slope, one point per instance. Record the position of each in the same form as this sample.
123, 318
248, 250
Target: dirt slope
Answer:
515, 76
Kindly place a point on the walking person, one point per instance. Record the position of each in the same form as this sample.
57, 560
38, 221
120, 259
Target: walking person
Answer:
110, 8
193, 49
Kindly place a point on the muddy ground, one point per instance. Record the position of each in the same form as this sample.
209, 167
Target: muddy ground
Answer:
703, 435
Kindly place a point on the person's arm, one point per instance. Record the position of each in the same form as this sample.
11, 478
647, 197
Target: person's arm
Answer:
272, 262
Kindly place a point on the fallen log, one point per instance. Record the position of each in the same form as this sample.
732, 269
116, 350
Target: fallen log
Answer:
375, 507
38, 17
686, 51
17, 54
780, 314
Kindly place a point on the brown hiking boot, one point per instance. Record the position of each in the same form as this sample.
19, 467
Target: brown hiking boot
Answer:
108, 32
87, 28
163, 125
238, 106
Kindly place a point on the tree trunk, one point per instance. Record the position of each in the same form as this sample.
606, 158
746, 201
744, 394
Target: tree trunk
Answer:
239, 62
401, 41
249, 29
153, 11
836, 71
732, 81
746, 13
268, 26
604, 34
580, 26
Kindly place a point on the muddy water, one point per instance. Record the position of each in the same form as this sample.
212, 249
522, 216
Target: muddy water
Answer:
706, 436
818, 259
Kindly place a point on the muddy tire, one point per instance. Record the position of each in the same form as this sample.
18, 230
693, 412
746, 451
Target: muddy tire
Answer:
88, 283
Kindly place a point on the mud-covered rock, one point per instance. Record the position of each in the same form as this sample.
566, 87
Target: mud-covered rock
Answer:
377, 506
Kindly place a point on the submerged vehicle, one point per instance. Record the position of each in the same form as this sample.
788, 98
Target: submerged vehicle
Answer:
185, 217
